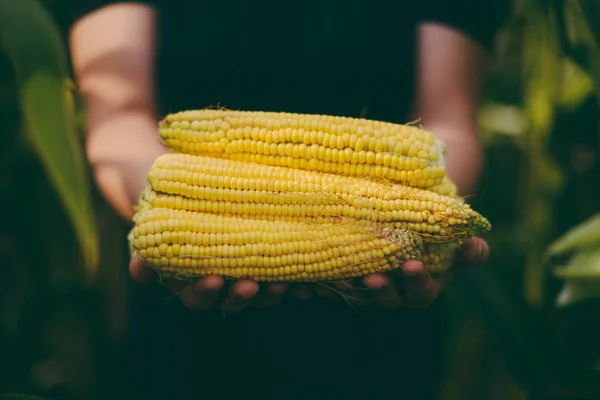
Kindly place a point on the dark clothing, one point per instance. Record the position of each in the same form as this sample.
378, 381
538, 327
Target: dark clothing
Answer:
316, 56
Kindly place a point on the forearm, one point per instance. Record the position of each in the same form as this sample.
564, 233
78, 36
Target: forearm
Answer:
450, 71
464, 155
113, 50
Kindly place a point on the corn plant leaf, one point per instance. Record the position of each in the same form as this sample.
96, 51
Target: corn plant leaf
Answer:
582, 20
583, 235
20, 397
577, 292
31, 40
542, 179
575, 85
584, 264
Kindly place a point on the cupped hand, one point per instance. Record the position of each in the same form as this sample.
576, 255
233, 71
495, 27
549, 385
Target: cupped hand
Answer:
204, 293
415, 288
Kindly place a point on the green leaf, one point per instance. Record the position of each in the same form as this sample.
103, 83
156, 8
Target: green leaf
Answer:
19, 397
575, 86
577, 292
542, 178
32, 41
503, 119
585, 264
582, 19
583, 235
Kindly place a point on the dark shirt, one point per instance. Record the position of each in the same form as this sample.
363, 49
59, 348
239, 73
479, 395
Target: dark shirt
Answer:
336, 57
347, 58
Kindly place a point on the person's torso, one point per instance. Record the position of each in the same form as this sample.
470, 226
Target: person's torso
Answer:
349, 58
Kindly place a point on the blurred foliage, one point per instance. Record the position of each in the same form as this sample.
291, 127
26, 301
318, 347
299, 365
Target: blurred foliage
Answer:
523, 327
60, 330
32, 42
539, 122
581, 268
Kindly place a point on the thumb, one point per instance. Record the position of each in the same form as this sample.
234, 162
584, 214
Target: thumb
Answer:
139, 272
474, 251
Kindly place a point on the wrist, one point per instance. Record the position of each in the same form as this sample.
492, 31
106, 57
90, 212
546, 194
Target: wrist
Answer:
464, 159
121, 150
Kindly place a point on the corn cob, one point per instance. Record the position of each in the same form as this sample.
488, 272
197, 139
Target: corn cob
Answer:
212, 185
438, 257
295, 197
189, 244
348, 146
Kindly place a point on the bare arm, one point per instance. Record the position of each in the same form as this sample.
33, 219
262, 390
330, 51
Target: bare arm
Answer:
450, 72
113, 52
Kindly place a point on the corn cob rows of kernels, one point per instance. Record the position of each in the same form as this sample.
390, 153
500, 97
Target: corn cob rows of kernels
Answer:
246, 214
251, 248
438, 257
204, 184
348, 146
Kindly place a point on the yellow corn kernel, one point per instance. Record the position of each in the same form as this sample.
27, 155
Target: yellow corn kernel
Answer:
376, 148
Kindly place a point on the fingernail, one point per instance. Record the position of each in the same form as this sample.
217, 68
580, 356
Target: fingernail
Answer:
375, 282
411, 268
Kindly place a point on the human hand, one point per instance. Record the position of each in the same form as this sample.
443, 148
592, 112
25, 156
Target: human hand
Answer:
121, 156
207, 292
418, 288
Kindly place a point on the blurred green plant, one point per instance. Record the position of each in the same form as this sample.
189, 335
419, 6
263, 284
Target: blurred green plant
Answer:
62, 295
541, 290
561, 70
581, 269
31, 40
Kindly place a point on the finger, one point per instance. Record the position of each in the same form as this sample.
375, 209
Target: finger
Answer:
383, 291
202, 294
139, 272
145, 275
240, 296
270, 295
207, 289
187, 295
301, 292
474, 251
420, 288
